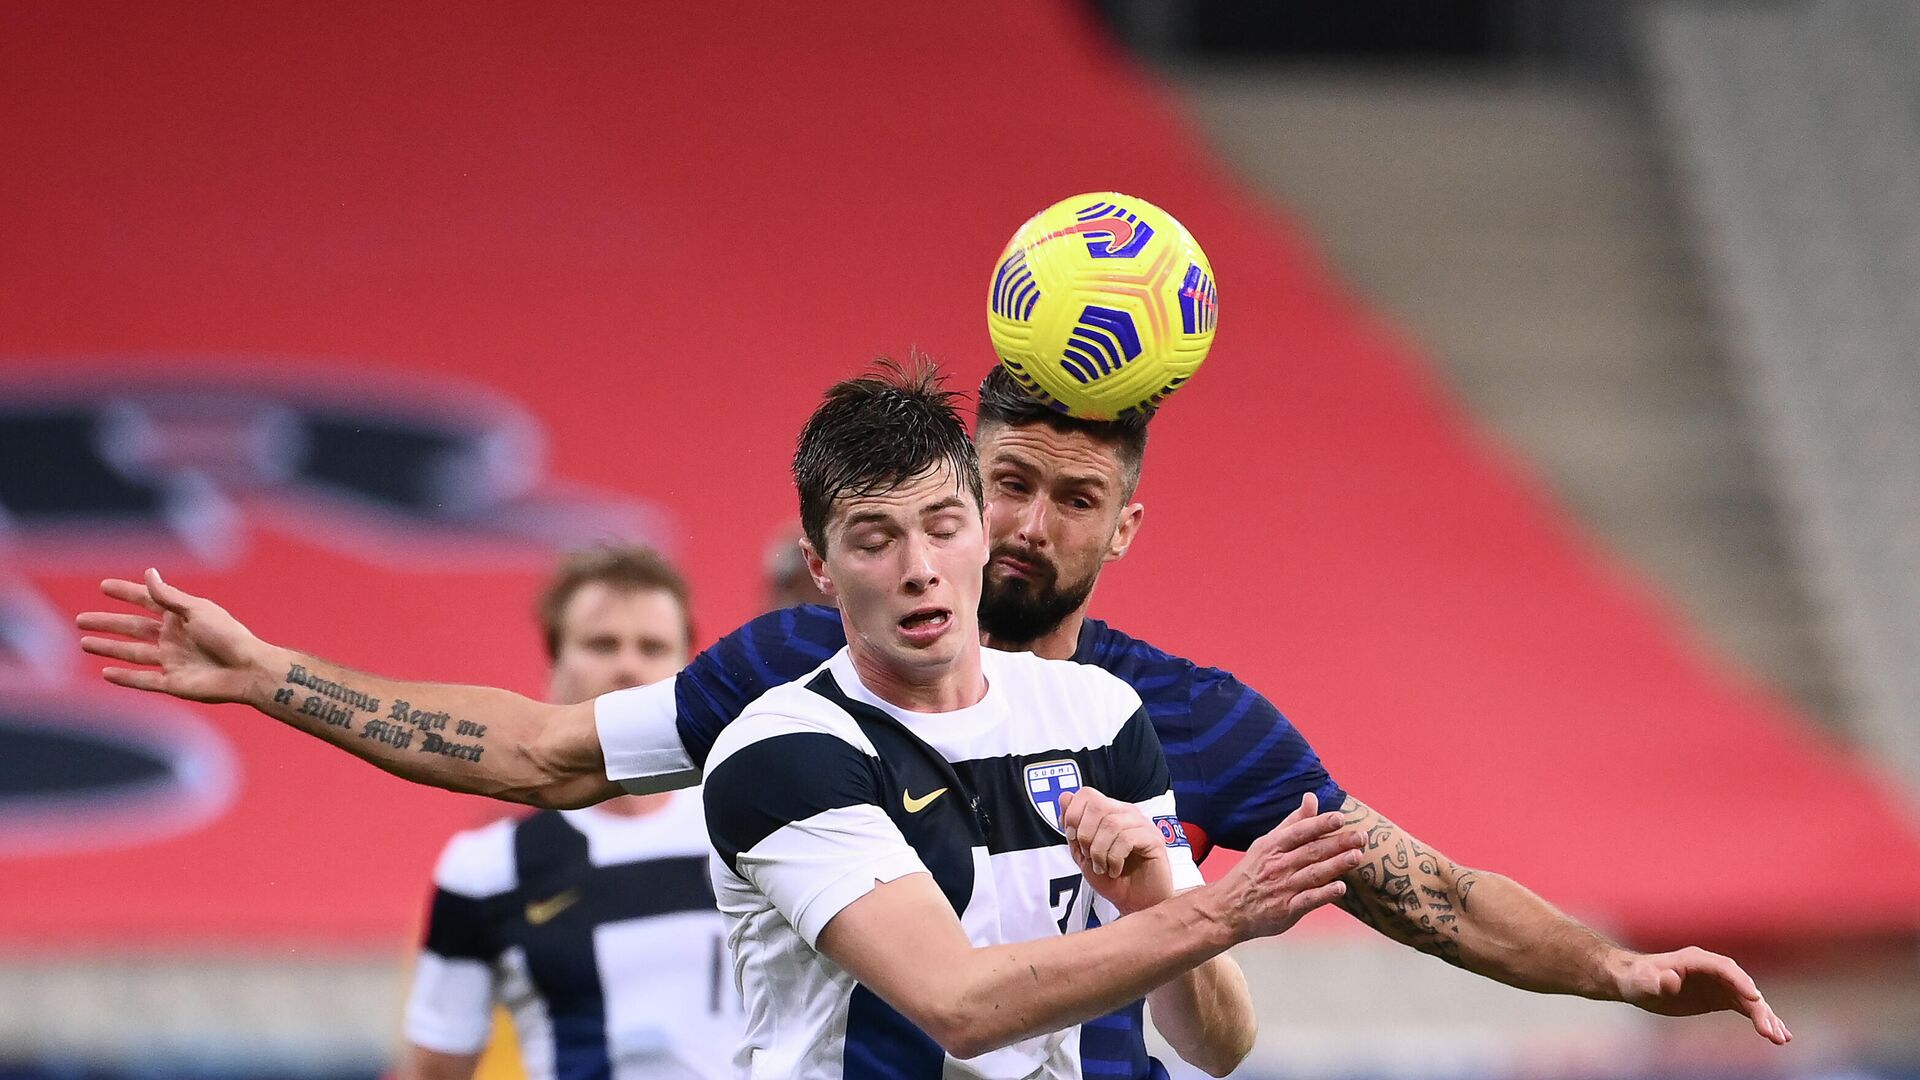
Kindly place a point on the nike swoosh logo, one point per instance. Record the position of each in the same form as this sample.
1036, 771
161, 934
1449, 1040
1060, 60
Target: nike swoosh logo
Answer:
543, 911
914, 805
1118, 227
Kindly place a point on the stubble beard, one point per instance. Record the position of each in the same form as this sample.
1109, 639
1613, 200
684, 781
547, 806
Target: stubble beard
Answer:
1020, 611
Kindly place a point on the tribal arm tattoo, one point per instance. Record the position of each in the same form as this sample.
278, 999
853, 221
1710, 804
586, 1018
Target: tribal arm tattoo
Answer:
1474, 919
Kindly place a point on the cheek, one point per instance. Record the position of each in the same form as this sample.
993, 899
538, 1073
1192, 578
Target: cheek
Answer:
1082, 550
852, 593
655, 668
1000, 524
965, 561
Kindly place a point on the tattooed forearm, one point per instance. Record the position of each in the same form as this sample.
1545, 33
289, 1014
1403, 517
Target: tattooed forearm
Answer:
298, 675
1419, 897
404, 721
338, 704
332, 703
1404, 890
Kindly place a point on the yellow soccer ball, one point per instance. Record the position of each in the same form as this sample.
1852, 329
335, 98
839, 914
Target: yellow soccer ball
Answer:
1101, 305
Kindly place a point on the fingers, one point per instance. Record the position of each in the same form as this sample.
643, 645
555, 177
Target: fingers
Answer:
133, 652
1306, 901
1104, 832
1288, 838
1123, 839
1743, 994
1072, 810
1772, 1027
131, 592
1080, 812
1329, 848
138, 627
136, 678
1309, 806
1734, 977
1731, 974
1339, 859
1098, 847
169, 597
1767, 1023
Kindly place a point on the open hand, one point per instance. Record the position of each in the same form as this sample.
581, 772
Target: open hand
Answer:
1289, 872
184, 645
1693, 981
1121, 853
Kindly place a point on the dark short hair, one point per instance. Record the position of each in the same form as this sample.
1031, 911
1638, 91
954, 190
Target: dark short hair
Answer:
1003, 403
626, 568
876, 432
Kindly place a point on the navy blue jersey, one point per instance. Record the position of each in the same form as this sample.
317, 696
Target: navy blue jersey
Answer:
1238, 766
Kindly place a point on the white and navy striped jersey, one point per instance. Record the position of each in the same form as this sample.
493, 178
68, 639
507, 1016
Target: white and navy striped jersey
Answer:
821, 789
598, 933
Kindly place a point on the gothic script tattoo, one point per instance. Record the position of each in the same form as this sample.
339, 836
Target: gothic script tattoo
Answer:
332, 703
1408, 892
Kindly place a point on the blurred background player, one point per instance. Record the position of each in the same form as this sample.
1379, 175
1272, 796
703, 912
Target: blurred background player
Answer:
788, 583
594, 928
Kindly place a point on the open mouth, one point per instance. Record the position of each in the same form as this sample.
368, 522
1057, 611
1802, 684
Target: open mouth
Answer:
926, 620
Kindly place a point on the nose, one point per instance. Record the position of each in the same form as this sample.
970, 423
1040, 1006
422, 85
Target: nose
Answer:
1033, 523
918, 574
627, 671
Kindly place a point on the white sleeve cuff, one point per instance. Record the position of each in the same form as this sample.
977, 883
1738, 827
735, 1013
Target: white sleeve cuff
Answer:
450, 1009
1186, 874
813, 916
640, 739
1162, 812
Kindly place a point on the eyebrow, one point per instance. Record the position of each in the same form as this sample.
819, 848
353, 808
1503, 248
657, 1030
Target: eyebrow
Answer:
1091, 480
877, 517
1018, 461
868, 517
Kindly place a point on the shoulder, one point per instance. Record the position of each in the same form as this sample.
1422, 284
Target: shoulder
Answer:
1161, 677
1105, 686
479, 862
786, 710
1062, 693
810, 630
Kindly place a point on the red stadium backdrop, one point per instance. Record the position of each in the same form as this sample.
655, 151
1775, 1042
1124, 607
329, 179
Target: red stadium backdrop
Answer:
598, 260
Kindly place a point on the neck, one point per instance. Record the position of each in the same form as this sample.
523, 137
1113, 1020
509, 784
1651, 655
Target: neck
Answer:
1059, 643
954, 686
636, 805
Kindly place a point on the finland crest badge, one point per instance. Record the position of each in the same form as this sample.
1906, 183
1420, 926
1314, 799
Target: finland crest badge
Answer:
1047, 781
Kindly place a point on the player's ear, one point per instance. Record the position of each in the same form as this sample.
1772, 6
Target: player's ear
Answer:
1124, 531
817, 569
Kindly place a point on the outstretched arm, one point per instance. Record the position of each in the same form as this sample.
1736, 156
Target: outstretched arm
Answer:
1494, 926
463, 738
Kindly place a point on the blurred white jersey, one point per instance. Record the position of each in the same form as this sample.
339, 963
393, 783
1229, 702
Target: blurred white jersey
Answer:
598, 933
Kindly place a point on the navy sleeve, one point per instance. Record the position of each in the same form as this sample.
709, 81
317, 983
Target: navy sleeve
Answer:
1139, 766
725, 678
462, 927
1244, 767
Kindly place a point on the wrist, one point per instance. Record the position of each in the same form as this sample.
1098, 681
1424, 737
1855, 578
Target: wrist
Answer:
1214, 915
1615, 972
266, 668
